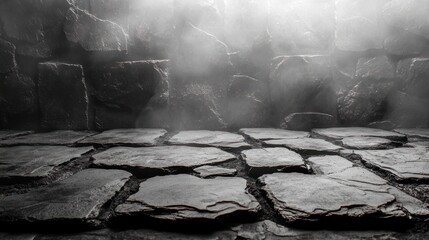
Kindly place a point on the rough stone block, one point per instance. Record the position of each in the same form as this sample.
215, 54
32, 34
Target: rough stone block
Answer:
7, 56
63, 96
301, 84
93, 34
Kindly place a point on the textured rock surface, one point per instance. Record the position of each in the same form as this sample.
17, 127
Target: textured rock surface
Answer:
340, 133
35, 162
342, 170
138, 137
209, 138
269, 160
18, 101
308, 120
248, 102
128, 88
9, 134
272, 133
63, 96
7, 56
306, 145
160, 159
364, 103
78, 198
213, 171
403, 43
301, 84
185, 197
414, 132
335, 198
92, 33
403, 163
366, 143
200, 83
48, 138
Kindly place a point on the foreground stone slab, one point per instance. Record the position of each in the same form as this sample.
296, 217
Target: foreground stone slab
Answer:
135, 137
269, 160
403, 163
209, 138
353, 194
166, 158
343, 170
340, 133
414, 132
306, 145
185, 197
35, 162
48, 138
272, 133
9, 134
78, 198
367, 143
212, 171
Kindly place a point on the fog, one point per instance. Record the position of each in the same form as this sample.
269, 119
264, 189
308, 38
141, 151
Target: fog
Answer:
232, 63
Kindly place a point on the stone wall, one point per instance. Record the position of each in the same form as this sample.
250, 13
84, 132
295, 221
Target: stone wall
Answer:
212, 64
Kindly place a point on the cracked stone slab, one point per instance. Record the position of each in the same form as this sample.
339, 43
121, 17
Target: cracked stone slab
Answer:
272, 133
269, 160
134, 137
306, 145
62, 137
213, 171
209, 138
340, 133
403, 163
31, 162
165, 158
10, 134
367, 143
414, 132
78, 198
186, 197
343, 170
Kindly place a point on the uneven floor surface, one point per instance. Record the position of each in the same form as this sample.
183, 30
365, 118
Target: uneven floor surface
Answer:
334, 183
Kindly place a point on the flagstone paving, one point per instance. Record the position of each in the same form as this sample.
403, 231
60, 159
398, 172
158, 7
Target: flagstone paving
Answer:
136, 137
340, 133
35, 161
259, 183
209, 138
47, 138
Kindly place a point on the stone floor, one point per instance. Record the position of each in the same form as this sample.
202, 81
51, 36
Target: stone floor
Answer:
335, 183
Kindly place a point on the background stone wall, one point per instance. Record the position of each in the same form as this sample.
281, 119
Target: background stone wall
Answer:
212, 64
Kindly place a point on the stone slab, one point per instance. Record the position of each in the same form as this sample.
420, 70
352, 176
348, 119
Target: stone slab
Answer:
213, 171
35, 162
306, 145
9, 134
209, 138
185, 197
272, 133
47, 138
165, 158
343, 170
78, 198
367, 143
134, 137
269, 160
414, 132
340, 133
403, 163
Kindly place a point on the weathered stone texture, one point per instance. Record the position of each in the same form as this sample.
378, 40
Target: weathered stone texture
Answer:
63, 96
